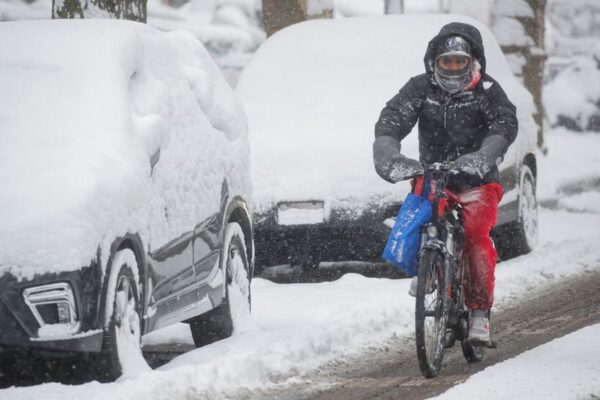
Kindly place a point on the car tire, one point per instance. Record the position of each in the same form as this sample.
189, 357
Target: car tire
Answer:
122, 336
521, 236
220, 322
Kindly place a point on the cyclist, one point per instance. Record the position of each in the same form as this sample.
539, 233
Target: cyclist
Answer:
464, 117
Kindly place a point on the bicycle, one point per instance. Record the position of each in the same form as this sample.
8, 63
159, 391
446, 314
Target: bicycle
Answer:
441, 316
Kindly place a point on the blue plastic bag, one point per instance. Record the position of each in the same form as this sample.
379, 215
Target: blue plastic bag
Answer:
402, 246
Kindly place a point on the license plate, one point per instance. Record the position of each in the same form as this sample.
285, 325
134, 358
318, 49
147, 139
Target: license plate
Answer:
301, 213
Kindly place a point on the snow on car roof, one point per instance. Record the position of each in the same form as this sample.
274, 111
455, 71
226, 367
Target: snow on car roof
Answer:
314, 91
83, 107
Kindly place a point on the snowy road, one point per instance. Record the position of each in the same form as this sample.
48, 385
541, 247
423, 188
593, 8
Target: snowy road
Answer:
392, 371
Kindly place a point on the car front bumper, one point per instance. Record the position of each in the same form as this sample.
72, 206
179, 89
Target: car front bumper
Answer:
53, 311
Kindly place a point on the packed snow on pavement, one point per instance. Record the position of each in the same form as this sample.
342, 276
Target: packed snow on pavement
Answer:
565, 368
295, 328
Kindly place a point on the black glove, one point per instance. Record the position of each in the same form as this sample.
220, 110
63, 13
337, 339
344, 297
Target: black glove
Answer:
481, 162
404, 168
390, 164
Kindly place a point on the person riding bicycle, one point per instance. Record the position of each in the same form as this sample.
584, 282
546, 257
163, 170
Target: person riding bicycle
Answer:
464, 117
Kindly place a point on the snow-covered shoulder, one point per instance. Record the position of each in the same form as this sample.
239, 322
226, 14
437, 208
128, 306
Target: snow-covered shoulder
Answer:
84, 108
565, 368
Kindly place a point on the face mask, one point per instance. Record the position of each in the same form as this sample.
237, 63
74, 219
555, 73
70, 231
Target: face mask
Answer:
452, 81
452, 70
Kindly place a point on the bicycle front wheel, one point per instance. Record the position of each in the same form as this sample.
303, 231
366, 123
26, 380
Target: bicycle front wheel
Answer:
431, 312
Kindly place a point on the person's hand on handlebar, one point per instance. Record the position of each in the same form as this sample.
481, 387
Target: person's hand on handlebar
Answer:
389, 162
481, 162
470, 164
405, 168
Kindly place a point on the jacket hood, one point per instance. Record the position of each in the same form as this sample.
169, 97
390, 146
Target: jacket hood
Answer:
467, 32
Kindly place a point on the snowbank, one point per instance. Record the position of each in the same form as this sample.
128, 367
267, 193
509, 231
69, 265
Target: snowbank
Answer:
565, 368
571, 166
572, 99
84, 106
571, 95
572, 27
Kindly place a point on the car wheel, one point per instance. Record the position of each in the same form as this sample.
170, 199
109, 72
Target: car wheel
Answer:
233, 313
521, 236
121, 352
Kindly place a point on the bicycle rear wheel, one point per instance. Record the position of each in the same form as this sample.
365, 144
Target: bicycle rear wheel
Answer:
431, 312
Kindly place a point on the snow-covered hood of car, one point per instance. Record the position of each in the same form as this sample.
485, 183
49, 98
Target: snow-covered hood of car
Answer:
314, 91
63, 151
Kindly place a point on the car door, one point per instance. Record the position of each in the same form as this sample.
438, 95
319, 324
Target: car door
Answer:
206, 251
206, 243
172, 280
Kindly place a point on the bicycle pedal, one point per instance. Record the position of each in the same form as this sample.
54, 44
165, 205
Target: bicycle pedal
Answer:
492, 344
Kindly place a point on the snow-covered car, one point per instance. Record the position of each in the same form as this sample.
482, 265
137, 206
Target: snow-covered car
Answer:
125, 185
312, 94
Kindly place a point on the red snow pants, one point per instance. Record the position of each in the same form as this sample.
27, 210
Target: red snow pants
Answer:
480, 213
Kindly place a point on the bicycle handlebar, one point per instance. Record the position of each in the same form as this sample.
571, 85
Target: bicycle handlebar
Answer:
440, 167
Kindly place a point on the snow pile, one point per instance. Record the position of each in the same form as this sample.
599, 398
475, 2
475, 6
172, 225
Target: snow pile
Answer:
572, 99
571, 94
572, 27
223, 26
571, 167
84, 106
300, 328
583, 202
314, 91
565, 368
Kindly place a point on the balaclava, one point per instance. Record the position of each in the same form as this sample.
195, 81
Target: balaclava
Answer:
453, 81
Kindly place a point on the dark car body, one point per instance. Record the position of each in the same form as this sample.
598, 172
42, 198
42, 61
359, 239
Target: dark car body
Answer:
179, 284
165, 188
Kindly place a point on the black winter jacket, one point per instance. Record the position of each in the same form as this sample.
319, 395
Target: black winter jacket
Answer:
449, 125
